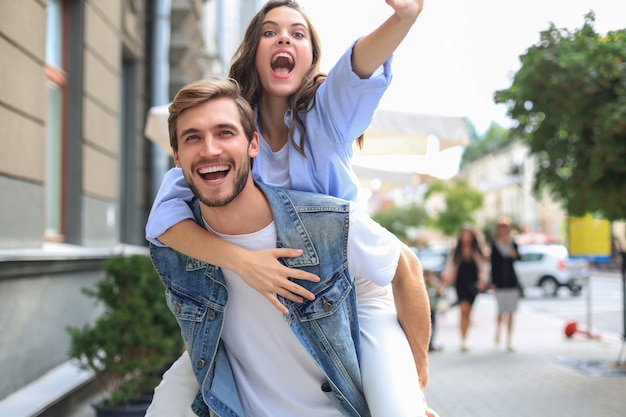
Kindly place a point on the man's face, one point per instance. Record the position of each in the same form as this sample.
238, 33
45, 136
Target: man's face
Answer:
213, 151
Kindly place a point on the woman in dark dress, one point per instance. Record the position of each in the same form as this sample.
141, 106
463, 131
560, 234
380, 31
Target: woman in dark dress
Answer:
504, 279
465, 269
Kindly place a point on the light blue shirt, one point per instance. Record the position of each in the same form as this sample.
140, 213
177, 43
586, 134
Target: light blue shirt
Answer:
343, 110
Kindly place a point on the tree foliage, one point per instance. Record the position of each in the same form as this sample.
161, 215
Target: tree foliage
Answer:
397, 219
568, 100
136, 338
461, 202
494, 138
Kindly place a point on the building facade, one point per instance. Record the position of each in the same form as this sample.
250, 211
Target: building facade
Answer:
77, 176
506, 178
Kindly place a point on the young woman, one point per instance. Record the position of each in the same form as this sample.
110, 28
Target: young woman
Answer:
308, 123
465, 269
504, 279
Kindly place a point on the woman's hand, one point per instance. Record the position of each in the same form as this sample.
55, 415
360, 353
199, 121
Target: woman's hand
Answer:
262, 271
407, 9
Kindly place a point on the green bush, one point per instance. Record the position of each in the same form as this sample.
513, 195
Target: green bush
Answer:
135, 339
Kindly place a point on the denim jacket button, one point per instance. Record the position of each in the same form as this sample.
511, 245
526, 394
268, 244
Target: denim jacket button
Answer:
211, 315
326, 387
200, 363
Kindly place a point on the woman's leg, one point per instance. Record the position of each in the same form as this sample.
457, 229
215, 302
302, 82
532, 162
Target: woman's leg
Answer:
507, 305
498, 326
509, 334
465, 308
177, 390
390, 379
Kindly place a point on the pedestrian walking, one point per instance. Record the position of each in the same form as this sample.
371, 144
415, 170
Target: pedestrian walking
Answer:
465, 270
504, 280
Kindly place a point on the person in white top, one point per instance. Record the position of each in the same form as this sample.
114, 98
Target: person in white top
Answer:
274, 374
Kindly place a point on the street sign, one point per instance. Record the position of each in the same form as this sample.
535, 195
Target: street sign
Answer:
590, 238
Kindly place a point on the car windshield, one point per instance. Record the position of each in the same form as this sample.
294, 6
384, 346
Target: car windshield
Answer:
558, 251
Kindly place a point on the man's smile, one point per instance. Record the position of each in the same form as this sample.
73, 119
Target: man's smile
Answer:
214, 172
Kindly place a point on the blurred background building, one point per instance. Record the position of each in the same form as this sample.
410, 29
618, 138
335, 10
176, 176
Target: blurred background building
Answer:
505, 178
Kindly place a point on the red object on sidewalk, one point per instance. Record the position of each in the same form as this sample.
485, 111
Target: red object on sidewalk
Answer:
570, 328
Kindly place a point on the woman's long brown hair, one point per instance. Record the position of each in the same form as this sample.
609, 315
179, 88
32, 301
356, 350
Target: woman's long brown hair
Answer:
243, 69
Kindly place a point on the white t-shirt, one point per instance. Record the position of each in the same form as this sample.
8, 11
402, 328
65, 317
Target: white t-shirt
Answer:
275, 375
276, 170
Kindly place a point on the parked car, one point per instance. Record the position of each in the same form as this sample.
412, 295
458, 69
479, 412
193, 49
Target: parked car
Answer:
432, 258
550, 267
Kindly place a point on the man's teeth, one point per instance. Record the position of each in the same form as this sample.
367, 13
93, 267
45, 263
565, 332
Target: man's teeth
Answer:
282, 55
209, 170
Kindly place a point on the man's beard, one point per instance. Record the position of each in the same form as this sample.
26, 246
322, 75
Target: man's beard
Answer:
241, 177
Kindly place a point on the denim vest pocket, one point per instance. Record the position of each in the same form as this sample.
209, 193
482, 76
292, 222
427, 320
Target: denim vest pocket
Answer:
327, 300
188, 310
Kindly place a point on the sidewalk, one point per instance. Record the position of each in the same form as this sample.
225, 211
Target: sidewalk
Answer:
534, 380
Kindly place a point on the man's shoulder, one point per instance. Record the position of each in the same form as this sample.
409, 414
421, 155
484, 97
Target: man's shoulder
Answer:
303, 198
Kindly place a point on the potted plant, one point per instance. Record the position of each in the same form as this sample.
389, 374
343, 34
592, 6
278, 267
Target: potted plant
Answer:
133, 341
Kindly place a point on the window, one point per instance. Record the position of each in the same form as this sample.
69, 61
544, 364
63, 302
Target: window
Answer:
128, 148
57, 81
531, 257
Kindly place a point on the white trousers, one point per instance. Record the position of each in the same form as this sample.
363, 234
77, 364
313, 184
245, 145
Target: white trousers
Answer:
390, 380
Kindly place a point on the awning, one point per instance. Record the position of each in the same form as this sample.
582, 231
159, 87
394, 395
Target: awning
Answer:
156, 127
400, 146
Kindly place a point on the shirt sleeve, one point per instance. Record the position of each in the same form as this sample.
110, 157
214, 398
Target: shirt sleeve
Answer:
170, 205
373, 251
348, 103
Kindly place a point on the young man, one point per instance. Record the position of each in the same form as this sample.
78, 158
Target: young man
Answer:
248, 359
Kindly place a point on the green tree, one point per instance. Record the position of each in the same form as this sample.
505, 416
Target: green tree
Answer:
493, 139
569, 102
136, 338
397, 219
461, 202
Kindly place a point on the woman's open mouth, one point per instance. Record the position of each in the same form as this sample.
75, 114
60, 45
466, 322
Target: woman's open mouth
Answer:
282, 64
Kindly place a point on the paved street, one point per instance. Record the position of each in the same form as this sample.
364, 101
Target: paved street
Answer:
533, 381
599, 306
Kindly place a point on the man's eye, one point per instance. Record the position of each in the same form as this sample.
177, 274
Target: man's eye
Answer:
226, 133
191, 138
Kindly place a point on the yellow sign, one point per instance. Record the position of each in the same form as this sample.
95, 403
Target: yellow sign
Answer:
589, 238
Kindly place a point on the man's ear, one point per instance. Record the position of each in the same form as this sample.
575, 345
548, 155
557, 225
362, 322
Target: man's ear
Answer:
253, 147
176, 160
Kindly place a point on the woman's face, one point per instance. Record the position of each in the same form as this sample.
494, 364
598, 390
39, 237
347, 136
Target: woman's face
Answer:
467, 237
285, 53
503, 230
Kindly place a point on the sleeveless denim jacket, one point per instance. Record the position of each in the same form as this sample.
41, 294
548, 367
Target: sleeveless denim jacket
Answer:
327, 327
